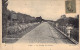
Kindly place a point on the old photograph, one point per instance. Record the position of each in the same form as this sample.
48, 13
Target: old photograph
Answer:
40, 21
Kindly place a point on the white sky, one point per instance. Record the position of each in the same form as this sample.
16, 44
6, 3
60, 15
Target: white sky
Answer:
48, 9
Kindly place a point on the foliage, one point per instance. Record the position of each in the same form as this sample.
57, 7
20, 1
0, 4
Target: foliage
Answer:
74, 22
75, 34
17, 28
69, 20
5, 13
10, 18
39, 19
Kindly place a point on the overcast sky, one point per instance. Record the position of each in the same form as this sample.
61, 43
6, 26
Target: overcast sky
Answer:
48, 9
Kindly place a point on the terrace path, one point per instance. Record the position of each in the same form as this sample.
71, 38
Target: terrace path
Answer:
44, 33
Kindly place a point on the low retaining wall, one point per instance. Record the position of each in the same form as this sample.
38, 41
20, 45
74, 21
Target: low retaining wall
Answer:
74, 41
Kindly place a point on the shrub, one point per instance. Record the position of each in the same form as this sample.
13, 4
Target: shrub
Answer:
75, 34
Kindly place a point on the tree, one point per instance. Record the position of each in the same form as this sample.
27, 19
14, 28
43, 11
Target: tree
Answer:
74, 22
39, 19
63, 20
4, 17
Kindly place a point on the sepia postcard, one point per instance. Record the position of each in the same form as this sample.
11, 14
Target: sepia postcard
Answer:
39, 24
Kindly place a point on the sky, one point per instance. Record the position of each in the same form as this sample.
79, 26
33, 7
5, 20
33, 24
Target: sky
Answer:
48, 9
